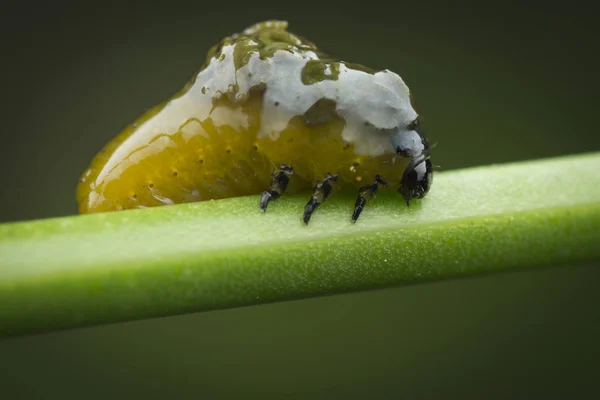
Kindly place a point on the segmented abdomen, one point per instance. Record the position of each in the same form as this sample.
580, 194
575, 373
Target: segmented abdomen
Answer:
217, 156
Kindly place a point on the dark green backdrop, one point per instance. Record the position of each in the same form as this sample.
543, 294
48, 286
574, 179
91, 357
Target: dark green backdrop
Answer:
494, 83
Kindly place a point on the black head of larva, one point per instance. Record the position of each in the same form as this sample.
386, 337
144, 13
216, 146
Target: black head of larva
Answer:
416, 181
418, 176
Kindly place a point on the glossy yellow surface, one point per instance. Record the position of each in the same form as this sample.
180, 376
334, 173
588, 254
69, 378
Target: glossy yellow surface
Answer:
217, 157
206, 144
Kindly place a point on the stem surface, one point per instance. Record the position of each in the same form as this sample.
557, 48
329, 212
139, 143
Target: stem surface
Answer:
92, 269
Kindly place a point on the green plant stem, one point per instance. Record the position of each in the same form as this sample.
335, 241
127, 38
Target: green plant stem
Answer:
93, 269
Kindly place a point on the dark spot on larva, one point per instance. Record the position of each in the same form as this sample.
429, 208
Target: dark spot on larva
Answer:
203, 89
134, 196
321, 112
276, 104
151, 185
200, 161
346, 145
228, 151
254, 148
355, 164
315, 71
174, 173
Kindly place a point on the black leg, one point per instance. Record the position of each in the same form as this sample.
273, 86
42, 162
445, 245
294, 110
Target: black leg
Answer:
366, 193
279, 182
320, 193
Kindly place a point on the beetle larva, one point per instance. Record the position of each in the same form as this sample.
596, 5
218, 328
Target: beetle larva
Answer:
268, 113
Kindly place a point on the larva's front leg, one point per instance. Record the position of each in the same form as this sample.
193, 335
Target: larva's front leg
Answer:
365, 194
279, 183
321, 192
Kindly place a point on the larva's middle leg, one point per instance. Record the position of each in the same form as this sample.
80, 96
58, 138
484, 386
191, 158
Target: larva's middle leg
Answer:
279, 183
366, 193
320, 193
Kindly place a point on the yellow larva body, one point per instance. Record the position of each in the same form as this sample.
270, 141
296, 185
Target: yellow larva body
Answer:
223, 136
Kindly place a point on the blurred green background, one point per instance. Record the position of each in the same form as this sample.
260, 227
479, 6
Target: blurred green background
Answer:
494, 83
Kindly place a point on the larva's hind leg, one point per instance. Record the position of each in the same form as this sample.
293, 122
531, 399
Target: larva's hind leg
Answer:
279, 183
365, 194
320, 193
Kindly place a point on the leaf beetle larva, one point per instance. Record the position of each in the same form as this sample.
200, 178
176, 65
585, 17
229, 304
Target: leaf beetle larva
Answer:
268, 113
